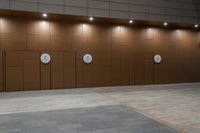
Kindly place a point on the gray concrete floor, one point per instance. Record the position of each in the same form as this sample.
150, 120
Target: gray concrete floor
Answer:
128, 109
20, 102
101, 119
177, 105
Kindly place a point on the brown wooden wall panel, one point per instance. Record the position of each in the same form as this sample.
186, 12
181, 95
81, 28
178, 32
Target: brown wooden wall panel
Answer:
115, 60
45, 74
45, 77
149, 73
84, 72
31, 70
101, 49
132, 70
14, 79
126, 58
1, 70
57, 70
143, 68
85, 76
139, 68
123, 54
69, 70
14, 70
14, 58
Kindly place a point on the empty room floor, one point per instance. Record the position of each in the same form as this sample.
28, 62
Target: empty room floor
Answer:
127, 109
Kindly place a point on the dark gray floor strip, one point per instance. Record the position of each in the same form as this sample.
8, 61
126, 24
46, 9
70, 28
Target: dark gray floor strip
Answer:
102, 119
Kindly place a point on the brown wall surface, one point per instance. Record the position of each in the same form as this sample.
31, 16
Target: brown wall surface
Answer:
123, 54
31, 71
1, 71
14, 70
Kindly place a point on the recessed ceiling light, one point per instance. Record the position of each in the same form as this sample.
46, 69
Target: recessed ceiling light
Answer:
91, 18
196, 25
44, 15
165, 24
130, 21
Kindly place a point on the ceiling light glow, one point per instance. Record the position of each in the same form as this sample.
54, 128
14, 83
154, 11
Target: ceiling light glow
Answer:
196, 25
165, 24
44, 15
130, 21
91, 18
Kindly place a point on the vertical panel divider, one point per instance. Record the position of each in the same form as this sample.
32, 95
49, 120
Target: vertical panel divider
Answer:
63, 61
134, 69
153, 68
40, 71
4, 69
23, 53
75, 55
50, 52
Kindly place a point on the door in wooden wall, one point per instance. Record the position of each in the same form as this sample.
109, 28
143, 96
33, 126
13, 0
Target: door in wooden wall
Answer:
14, 70
31, 70
22, 70
57, 78
25, 72
149, 68
69, 70
62, 70
143, 68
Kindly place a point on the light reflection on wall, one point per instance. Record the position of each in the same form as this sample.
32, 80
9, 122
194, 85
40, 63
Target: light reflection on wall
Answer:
178, 34
116, 31
44, 27
87, 30
7, 25
149, 33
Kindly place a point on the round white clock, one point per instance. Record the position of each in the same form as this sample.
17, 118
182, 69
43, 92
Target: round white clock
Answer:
87, 58
45, 58
157, 58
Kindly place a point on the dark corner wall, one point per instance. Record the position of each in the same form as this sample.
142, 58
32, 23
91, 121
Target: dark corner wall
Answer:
123, 54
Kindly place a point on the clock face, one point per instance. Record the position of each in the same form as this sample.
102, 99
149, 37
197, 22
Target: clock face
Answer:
87, 58
157, 58
45, 58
